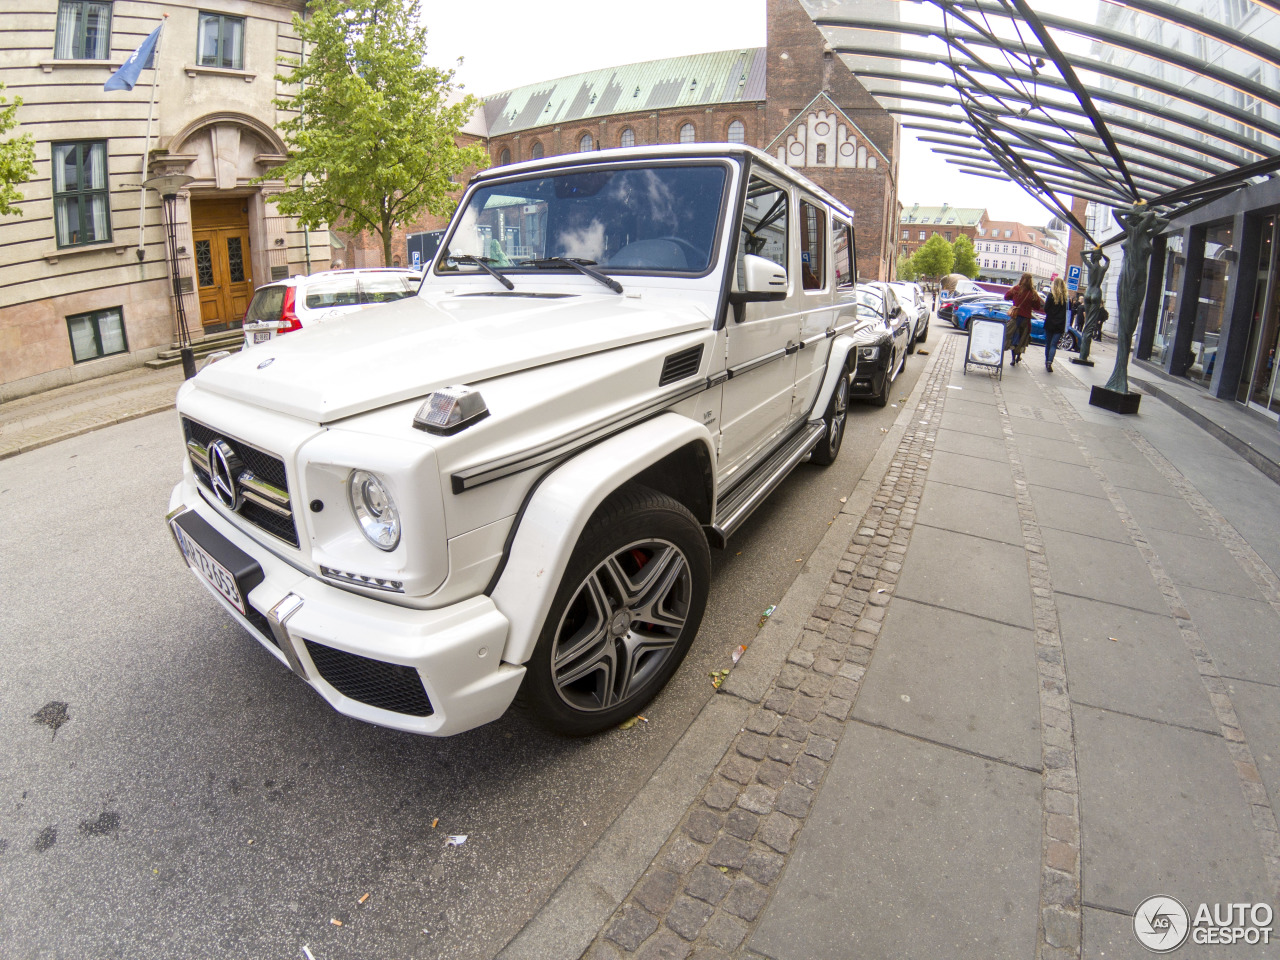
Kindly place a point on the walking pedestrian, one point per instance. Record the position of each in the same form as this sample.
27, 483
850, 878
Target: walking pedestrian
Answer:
1024, 298
1055, 320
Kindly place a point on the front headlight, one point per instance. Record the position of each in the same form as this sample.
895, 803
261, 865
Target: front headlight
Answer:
374, 510
868, 353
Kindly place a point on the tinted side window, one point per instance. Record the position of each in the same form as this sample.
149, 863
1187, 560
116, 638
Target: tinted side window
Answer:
813, 246
267, 304
843, 258
764, 225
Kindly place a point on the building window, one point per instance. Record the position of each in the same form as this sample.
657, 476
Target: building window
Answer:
80, 210
1237, 11
921, 234
221, 41
535, 152
628, 138
737, 132
906, 234
820, 154
96, 334
505, 158
687, 134
84, 30
586, 143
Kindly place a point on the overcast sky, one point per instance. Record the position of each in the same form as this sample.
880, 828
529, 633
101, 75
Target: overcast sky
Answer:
510, 43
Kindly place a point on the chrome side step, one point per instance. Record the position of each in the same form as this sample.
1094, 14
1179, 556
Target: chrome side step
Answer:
734, 508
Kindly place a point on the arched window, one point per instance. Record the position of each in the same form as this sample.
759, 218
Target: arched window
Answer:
737, 132
820, 155
687, 133
505, 158
628, 138
535, 152
586, 143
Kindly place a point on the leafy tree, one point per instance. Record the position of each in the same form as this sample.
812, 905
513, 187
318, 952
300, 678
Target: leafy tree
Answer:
906, 268
17, 158
935, 258
965, 261
374, 141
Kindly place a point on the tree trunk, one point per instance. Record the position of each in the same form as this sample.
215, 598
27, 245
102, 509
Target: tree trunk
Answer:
386, 238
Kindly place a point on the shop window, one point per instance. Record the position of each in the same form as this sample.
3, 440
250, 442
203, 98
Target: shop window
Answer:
96, 334
221, 41
586, 143
737, 132
1260, 378
1215, 278
80, 207
628, 138
83, 30
535, 152
687, 133
813, 245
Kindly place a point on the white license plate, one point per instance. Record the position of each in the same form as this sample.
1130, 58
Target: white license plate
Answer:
262, 336
209, 569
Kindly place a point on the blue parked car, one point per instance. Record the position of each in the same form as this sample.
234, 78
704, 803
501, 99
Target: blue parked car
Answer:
999, 310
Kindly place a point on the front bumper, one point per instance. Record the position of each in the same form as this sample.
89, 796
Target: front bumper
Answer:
368, 658
868, 378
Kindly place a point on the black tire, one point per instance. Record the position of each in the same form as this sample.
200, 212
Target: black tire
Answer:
837, 414
924, 333
610, 663
911, 344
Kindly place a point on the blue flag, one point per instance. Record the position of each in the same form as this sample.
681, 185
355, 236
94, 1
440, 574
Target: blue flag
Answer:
141, 59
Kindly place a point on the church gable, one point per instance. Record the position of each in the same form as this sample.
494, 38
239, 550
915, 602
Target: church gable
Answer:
822, 135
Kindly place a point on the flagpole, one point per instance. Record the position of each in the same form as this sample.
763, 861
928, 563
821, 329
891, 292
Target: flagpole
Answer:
146, 149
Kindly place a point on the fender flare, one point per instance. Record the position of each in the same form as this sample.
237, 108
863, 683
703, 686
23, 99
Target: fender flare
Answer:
559, 510
840, 348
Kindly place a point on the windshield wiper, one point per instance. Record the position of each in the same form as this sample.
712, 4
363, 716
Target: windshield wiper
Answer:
483, 264
582, 266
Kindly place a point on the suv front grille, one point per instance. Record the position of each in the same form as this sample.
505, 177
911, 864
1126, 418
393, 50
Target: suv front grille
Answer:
266, 468
387, 686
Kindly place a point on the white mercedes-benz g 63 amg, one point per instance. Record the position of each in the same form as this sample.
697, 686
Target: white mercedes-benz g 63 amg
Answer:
505, 488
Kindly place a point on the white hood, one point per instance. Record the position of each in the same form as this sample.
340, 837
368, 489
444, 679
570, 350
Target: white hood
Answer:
404, 350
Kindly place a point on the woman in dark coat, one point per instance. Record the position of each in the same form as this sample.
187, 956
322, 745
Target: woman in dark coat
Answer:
1055, 320
1025, 300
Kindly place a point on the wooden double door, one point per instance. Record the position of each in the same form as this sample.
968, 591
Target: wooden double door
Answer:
224, 271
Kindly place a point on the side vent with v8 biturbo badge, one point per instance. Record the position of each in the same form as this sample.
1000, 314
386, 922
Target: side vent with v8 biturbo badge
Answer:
680, 365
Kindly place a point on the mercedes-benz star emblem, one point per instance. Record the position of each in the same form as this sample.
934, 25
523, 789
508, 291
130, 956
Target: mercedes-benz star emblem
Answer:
224, 469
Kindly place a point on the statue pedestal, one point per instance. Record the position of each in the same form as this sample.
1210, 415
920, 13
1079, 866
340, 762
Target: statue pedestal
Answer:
1083, 363
1115, 402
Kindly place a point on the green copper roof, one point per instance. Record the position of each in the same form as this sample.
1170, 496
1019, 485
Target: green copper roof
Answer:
729, 76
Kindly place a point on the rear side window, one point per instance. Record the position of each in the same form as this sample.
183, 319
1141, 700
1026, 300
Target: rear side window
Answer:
267, 304
338, 292
842, 261
813, 246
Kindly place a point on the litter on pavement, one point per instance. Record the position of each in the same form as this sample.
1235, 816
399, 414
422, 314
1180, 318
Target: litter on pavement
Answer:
456, 840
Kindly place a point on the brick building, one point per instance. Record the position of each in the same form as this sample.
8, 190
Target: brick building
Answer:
917, 224
792, 98
1006, 249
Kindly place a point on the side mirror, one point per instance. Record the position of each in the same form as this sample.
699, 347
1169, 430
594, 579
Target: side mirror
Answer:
764, 281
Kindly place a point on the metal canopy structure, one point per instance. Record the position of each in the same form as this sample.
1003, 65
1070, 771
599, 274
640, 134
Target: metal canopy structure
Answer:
1167, 103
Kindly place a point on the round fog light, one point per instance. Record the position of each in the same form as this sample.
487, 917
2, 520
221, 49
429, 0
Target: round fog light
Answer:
374, 510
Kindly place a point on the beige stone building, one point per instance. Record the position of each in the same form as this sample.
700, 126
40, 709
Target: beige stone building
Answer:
87, 279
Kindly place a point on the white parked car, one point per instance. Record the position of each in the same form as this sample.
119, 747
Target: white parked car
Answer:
913, 299
297, 302
506, 487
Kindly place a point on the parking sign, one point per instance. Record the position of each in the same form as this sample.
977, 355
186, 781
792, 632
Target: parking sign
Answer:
1073, 278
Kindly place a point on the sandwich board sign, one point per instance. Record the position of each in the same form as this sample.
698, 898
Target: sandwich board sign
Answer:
986, 344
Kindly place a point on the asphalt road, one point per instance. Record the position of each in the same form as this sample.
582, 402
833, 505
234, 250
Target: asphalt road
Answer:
192, 799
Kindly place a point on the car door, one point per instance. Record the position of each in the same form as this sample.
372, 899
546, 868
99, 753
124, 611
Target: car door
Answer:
757, 404
818, 311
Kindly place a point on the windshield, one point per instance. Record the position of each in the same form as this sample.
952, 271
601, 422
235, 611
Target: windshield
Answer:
662, 219
870, 304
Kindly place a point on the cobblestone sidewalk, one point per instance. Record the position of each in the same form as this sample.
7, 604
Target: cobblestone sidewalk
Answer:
707, 887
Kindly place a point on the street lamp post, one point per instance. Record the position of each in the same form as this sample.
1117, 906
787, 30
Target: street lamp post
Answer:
168, 188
